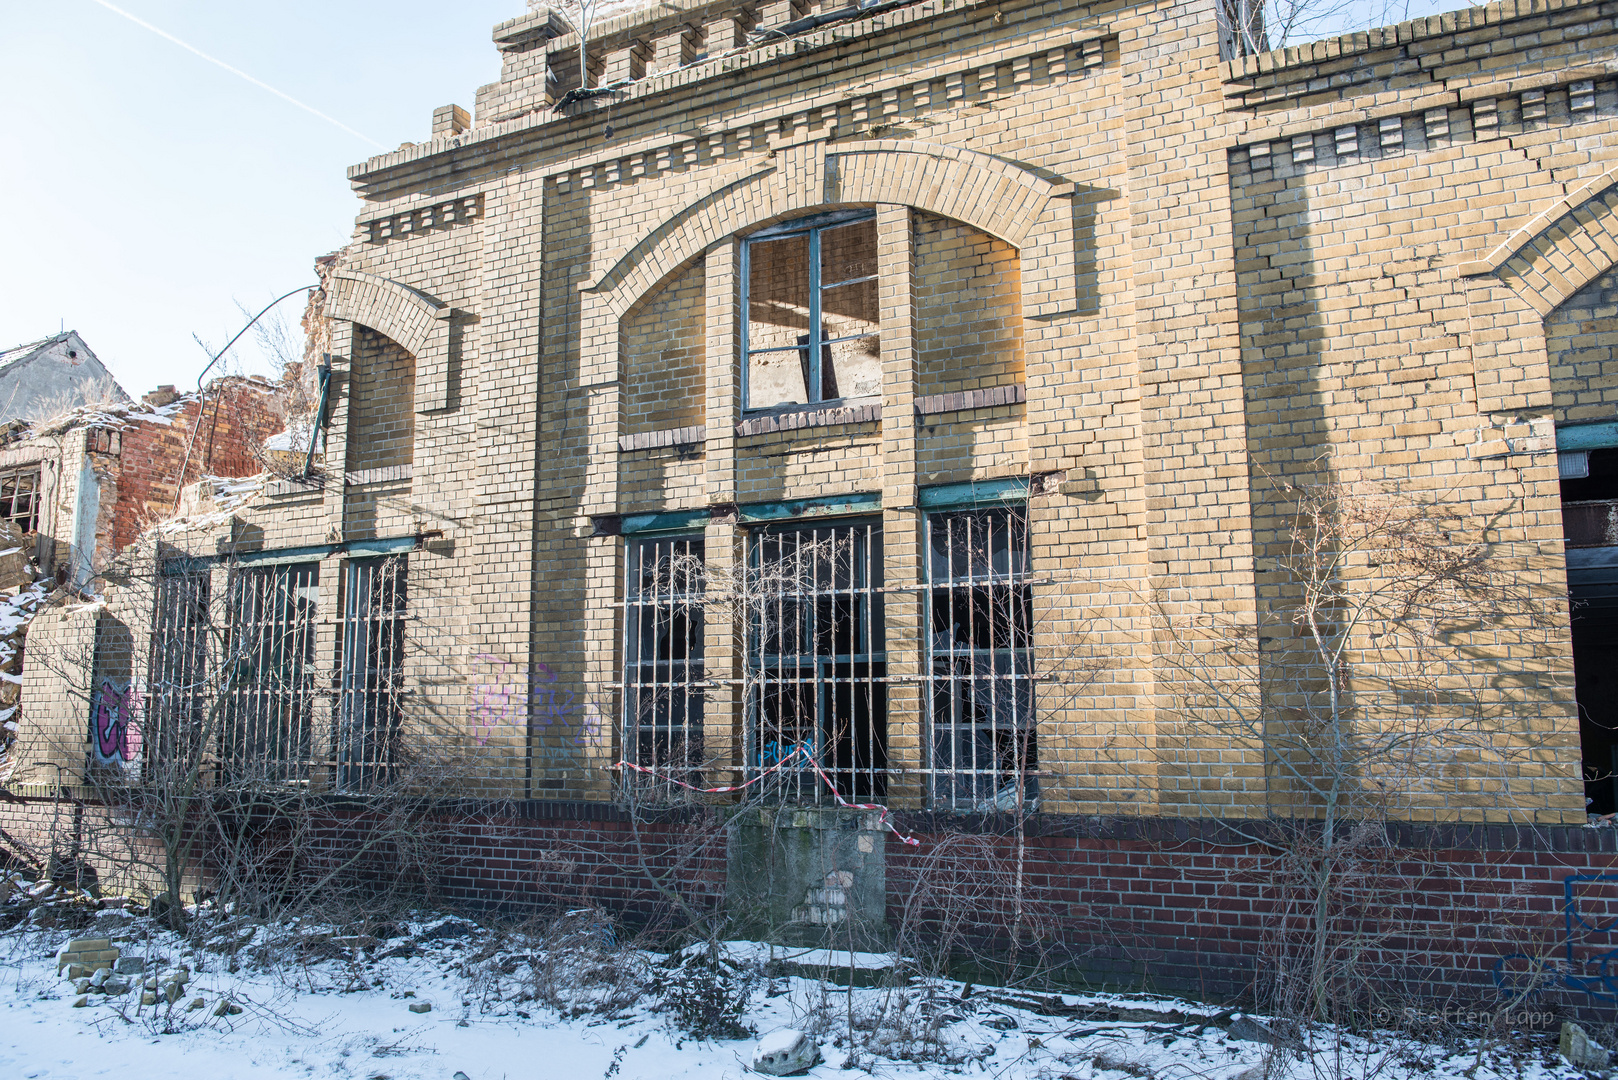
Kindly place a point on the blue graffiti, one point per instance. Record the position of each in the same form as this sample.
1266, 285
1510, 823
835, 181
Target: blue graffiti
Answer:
775, 751
1593, 975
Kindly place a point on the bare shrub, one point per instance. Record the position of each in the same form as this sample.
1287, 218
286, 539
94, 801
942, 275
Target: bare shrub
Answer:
1364, 692
705, 993
578, 966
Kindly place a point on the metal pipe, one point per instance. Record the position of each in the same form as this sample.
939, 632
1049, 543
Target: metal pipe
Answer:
320, 411
179, 481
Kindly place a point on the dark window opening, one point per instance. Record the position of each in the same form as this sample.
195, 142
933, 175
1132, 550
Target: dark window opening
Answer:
980, 659
813, 321
370, 707
663, 650
268, 684
178, 686
816, 673
19, 499
1590, 529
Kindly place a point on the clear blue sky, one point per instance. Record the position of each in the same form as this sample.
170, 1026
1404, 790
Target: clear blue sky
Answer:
148, 193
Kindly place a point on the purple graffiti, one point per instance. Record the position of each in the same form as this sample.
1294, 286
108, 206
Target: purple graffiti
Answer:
513, 697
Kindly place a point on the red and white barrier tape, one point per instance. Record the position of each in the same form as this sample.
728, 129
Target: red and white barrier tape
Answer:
797, 751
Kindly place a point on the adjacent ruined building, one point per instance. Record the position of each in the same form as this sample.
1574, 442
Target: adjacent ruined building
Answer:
80, 485
45, 378
987, 335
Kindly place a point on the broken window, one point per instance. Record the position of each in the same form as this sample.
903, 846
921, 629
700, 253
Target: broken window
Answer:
812, 311
1589, 488
268, 685
19, 499
816, 670
663, 647
177, 685
370, 707
980, 658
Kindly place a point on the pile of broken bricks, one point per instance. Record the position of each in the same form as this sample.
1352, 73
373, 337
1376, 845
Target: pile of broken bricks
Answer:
95, 966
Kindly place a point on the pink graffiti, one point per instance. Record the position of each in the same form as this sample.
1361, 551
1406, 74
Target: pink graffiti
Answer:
117, 737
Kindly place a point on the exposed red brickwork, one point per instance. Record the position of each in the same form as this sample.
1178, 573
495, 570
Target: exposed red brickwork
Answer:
236, 419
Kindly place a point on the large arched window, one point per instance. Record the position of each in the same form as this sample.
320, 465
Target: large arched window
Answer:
812, 311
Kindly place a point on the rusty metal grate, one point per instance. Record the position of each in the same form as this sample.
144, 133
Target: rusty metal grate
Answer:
178, 688
663, 654
269, 686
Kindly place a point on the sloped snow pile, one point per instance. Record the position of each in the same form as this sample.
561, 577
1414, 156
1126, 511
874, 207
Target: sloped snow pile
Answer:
439, 997
116, 415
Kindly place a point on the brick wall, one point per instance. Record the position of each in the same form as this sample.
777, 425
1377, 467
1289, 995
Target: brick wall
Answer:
382, 404
968, 300
1579, 338
236, 418
1119, 902
665, 357
1331, 263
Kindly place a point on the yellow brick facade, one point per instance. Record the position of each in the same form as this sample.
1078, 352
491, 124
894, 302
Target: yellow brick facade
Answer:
1140, 280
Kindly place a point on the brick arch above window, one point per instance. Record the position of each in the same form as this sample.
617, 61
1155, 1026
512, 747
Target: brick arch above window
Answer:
1559, 250
1027, 210
416, 321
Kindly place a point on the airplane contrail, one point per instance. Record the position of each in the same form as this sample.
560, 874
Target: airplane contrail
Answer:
237, 71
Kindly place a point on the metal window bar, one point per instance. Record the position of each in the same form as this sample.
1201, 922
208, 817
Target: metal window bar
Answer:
178, 695
19, 499
816, 669
980, 665
370, 708
267, 733
664, 584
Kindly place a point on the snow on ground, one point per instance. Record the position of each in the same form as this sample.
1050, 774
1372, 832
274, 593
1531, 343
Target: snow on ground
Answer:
339, 1007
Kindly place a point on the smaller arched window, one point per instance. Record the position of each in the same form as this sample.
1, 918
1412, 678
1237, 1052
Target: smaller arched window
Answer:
813, 322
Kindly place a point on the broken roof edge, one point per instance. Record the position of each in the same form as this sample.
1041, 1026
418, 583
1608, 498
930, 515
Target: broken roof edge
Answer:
1276, 61
551, 24
886, 18
122, 414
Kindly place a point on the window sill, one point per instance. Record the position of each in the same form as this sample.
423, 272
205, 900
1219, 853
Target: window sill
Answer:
656, 440
389, 475
964, 400
289, 487
792, 417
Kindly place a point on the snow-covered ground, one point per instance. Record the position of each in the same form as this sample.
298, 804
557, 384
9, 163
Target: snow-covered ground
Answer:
314, 1005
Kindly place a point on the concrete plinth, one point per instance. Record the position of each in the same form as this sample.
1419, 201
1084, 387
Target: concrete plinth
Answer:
808, 877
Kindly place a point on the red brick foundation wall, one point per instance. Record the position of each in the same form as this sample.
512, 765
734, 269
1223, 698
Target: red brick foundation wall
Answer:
75, 841
1162, 904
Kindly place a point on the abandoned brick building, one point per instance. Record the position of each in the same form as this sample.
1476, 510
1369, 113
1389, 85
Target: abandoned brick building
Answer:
971, 327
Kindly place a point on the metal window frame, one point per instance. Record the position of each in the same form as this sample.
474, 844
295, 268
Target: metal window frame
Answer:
862, 773
813, 227
963, 677
683, 690
27, 521
369, 708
